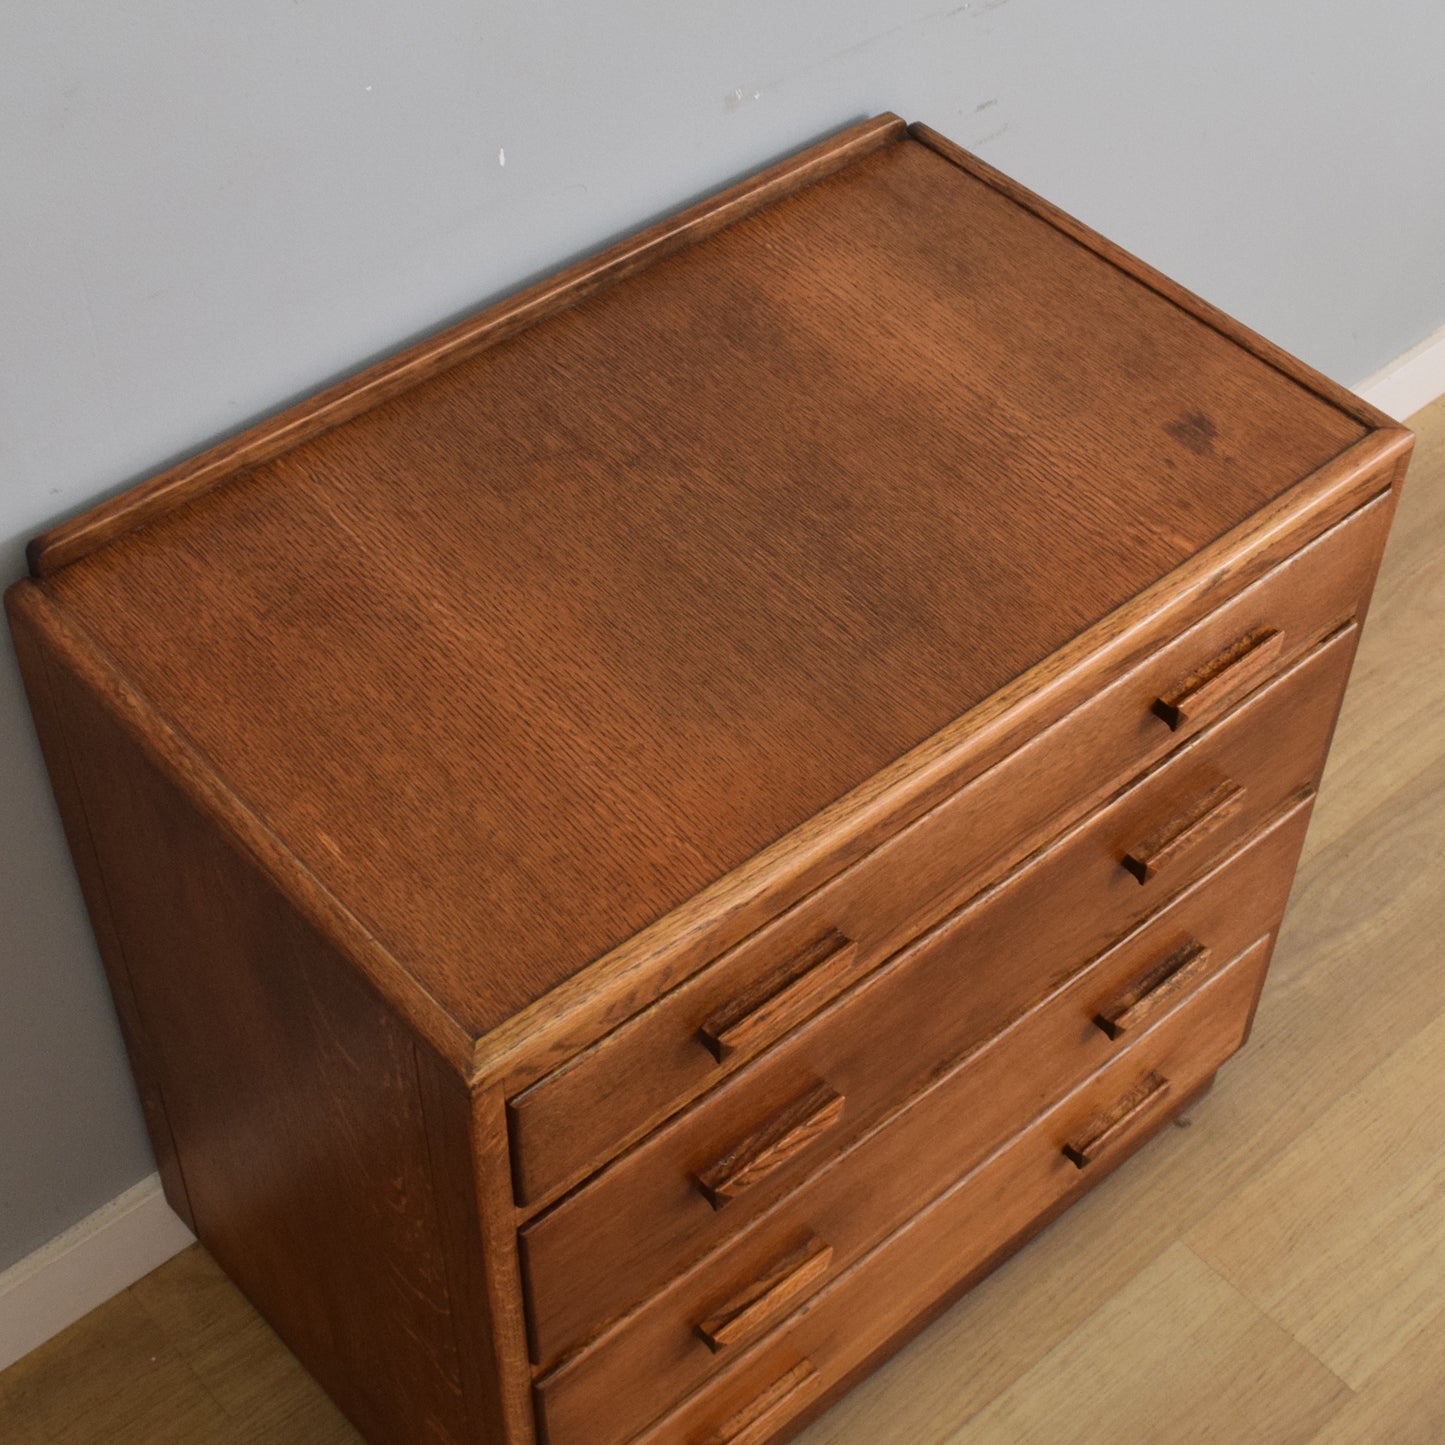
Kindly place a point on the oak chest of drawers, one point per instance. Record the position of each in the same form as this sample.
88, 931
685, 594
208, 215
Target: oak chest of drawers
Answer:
644, 844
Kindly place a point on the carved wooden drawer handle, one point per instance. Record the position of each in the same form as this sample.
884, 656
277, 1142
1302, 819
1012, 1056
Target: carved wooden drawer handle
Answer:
777, 1143
1242, 664
757, 1422
1182, 834
768, 1299
1158, 990
775, 1003
1141, 1101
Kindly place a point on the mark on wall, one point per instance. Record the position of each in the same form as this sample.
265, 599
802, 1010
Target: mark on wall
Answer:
863, 45
739, 96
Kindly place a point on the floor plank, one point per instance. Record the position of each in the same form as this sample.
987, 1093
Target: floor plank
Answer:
1178, 1356
236, 1356
113, 1376
1403, 1404
19, 1413
1342, 1239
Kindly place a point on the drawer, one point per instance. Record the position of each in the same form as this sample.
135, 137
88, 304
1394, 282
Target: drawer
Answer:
644, 1070
966, 1230
659, 1353
706, 1174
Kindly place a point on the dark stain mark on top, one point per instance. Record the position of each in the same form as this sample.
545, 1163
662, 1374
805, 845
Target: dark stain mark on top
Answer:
1194, 430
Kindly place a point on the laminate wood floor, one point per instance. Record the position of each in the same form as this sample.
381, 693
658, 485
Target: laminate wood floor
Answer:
1272, 1269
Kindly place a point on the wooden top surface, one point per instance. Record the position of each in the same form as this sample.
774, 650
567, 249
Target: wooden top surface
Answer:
517, 661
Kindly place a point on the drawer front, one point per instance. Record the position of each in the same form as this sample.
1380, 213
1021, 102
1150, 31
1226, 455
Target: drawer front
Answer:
705, 1175
966, 1229
675, 1341
685, 1043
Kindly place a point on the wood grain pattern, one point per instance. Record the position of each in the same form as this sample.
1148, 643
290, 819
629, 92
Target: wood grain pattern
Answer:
391, 377
757, 1421
232, 1355
707, 650
132, 1378
1189, 830
1362, 901
1156, 991
768, 1299
610, 1094
1174, 1350
660, 956
466, 1144
1243, 664
637, 1222
770, 1149
768, 1009
82, 535
578, 1010
290, 1089
652, 1357
1236, 331
1178, 1114
1402, 1402
968, 1224
175, 758
658, 616
126, 1381
1108, 1130
1339, 1239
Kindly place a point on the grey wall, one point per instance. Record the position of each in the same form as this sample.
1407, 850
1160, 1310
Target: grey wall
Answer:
206, 210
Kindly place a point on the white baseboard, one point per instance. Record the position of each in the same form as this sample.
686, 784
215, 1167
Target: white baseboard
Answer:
137, 1232
1411, 381
82, 1268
